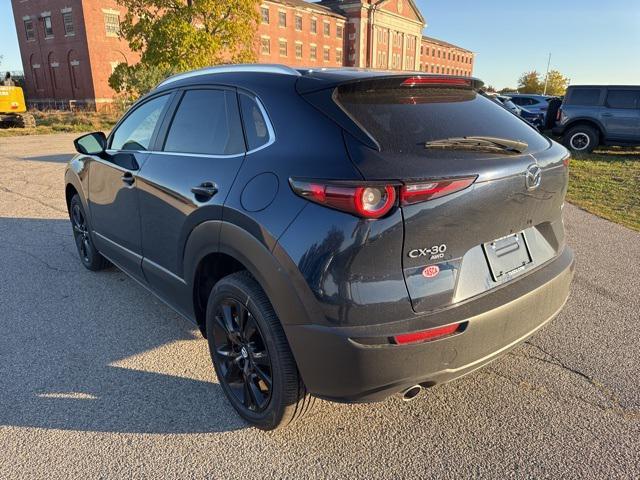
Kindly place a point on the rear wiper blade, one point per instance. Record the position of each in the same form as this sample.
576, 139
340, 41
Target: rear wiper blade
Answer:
479, 143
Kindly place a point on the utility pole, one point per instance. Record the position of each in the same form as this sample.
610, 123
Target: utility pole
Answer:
546, 77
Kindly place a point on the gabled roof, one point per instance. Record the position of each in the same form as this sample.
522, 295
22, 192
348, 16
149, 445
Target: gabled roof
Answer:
443, 43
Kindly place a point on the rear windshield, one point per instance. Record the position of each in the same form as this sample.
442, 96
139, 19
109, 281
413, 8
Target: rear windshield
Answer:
403, 120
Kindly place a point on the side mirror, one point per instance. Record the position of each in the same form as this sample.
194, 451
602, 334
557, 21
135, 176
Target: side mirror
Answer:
91, 144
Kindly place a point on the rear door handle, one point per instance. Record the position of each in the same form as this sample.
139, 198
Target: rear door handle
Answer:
128, 178
205, 190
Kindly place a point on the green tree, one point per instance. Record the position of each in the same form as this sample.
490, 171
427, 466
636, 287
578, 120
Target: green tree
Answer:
178, 35
556, 83
133, 81
529, 82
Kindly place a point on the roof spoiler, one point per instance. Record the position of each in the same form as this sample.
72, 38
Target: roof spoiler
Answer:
314, 80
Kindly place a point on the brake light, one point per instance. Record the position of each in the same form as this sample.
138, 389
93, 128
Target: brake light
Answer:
413, 81
429, 190
428, 335
565, 160
362, 200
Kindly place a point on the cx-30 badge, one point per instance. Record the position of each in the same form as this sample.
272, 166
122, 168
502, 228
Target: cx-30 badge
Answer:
533, 177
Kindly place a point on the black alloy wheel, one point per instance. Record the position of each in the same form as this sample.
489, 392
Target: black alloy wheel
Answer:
242, 355
89, 255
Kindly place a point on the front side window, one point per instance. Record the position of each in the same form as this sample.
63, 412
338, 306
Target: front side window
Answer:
48, 27
69, 28
623, 99
112, 24
206, 122
135, 132
255, 125
28, 30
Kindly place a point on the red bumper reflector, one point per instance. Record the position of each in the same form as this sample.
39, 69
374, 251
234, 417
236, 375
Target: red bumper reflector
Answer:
427, 335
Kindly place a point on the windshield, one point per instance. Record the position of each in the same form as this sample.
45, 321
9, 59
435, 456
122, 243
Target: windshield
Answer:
401, 120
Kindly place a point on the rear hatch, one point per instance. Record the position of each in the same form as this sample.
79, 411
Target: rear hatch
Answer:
429, 130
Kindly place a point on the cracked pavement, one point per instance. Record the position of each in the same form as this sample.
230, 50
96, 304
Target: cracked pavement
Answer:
98, 379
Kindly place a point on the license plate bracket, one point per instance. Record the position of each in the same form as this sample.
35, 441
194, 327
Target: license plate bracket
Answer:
507, 256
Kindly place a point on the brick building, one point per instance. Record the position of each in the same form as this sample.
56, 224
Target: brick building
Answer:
70, 47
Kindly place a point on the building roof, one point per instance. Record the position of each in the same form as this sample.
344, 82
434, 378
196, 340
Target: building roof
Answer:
443, 43
309, 5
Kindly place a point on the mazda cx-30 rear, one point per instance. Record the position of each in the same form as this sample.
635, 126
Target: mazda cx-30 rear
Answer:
345, 234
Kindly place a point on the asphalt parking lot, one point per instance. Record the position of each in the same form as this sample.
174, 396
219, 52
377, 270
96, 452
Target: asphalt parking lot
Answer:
98, 379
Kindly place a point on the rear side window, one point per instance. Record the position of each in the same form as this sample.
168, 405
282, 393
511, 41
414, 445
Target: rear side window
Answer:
255, 125
136, 130
402, 120
584, 96
623, 98
206, 122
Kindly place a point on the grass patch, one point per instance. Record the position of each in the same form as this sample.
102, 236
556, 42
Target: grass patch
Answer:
60, 122
607, 183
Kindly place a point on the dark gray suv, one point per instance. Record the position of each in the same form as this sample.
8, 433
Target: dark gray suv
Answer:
336, 233
593, 115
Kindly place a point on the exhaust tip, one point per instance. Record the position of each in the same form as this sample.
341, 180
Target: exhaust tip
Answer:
411, 393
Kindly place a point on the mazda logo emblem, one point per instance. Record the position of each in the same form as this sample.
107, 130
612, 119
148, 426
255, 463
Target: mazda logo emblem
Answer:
533, 177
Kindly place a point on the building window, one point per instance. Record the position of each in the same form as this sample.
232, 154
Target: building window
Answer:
326, 28
112, 24
314, 25
264, 11
282, 19
326, 55
283, 48
313, 52
298, 50
265, 45
433, 52
28, 30
48, 27
339, 55
339, 31
69, 29
298, 22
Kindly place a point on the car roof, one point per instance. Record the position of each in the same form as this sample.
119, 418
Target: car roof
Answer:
603, 86
314, 78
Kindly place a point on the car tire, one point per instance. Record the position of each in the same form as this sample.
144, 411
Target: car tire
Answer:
581, 139
251, 355
89, 254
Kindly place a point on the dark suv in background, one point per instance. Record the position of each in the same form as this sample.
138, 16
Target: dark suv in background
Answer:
344, 234
592, 115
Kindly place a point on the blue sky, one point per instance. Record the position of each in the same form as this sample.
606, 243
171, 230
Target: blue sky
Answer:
591, 41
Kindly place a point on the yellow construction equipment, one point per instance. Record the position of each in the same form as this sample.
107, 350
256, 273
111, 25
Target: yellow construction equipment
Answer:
13, 108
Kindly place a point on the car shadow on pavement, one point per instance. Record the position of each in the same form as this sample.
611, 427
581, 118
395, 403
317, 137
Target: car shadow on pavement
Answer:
94, 351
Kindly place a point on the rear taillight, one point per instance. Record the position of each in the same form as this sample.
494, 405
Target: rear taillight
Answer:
565, 160
374, 199
419, 192
429, 335
419, 80
367, 201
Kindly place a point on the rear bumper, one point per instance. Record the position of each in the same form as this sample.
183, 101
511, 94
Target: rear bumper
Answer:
336, 364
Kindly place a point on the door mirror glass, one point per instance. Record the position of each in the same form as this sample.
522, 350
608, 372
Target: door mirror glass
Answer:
91, 143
